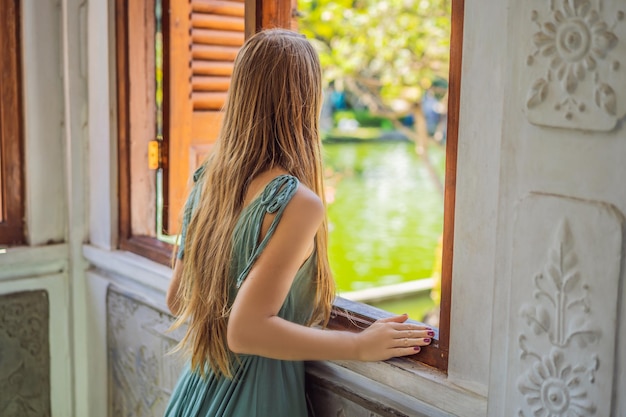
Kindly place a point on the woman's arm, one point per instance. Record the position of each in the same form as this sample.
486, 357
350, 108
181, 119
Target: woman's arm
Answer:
255, 328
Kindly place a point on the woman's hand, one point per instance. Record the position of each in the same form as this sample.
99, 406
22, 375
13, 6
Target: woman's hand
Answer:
391, 337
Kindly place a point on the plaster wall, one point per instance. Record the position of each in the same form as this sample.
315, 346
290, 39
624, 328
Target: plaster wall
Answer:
559, 239
46, 216
534, 188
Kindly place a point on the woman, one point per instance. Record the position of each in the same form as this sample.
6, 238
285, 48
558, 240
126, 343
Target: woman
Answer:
252, 272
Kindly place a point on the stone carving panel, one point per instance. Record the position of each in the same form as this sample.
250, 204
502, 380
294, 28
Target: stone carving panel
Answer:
566, 274
575, 73
24, 354
141, 372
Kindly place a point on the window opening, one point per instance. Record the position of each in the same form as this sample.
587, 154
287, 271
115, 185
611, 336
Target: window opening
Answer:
206, 45
385, 65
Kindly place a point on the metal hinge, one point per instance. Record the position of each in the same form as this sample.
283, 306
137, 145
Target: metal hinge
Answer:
154, 154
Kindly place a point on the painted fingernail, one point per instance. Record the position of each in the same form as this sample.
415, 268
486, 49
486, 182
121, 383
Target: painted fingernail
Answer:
417, 348
430, 333
426, 340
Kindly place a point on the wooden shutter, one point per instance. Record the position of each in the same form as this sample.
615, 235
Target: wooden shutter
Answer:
203, 40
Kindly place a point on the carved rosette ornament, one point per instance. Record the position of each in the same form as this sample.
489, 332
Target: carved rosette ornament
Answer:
576, 76
553, 385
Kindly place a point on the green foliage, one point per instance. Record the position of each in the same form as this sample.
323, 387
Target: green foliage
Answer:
364, 117
390, 48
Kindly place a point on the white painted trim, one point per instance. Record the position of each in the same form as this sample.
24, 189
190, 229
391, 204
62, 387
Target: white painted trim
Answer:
75, 95
98, 399
25, 261
59, 336
102, 108
136, 268
44, 159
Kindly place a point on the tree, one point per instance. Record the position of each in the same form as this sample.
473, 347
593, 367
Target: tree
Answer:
386, 52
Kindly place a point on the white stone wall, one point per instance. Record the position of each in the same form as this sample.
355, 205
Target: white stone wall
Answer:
559, 244
538, 281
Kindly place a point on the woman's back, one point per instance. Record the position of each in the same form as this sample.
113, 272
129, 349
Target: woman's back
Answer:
260, 386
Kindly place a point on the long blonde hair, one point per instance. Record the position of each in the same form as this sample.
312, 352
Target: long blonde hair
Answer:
271, 120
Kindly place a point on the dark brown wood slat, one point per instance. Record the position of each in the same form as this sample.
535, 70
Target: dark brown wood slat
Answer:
208, 83
208, 101
226, 8
217, 37
214, 52
211, 68
11, 126
123, 104
212, 21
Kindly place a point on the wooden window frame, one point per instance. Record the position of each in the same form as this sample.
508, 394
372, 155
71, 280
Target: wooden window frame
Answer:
346, 315
147, 246
11, 126
349, 315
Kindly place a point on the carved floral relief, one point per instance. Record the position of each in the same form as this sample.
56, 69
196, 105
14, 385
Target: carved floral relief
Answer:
566, 277
24, 355
554, 385
141, 372
575, 64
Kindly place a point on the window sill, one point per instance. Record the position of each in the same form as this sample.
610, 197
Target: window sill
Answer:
418, 382
331, 386
355, 316
428, 390
137, 269
412, 376
424, 387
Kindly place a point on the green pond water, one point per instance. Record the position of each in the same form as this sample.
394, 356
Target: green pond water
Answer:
385, 217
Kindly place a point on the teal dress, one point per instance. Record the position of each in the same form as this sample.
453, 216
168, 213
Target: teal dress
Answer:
260, 387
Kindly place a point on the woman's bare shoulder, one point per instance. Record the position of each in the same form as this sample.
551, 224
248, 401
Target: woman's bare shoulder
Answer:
305, 206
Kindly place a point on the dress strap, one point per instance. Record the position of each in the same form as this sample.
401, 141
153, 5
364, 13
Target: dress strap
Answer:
274, 199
